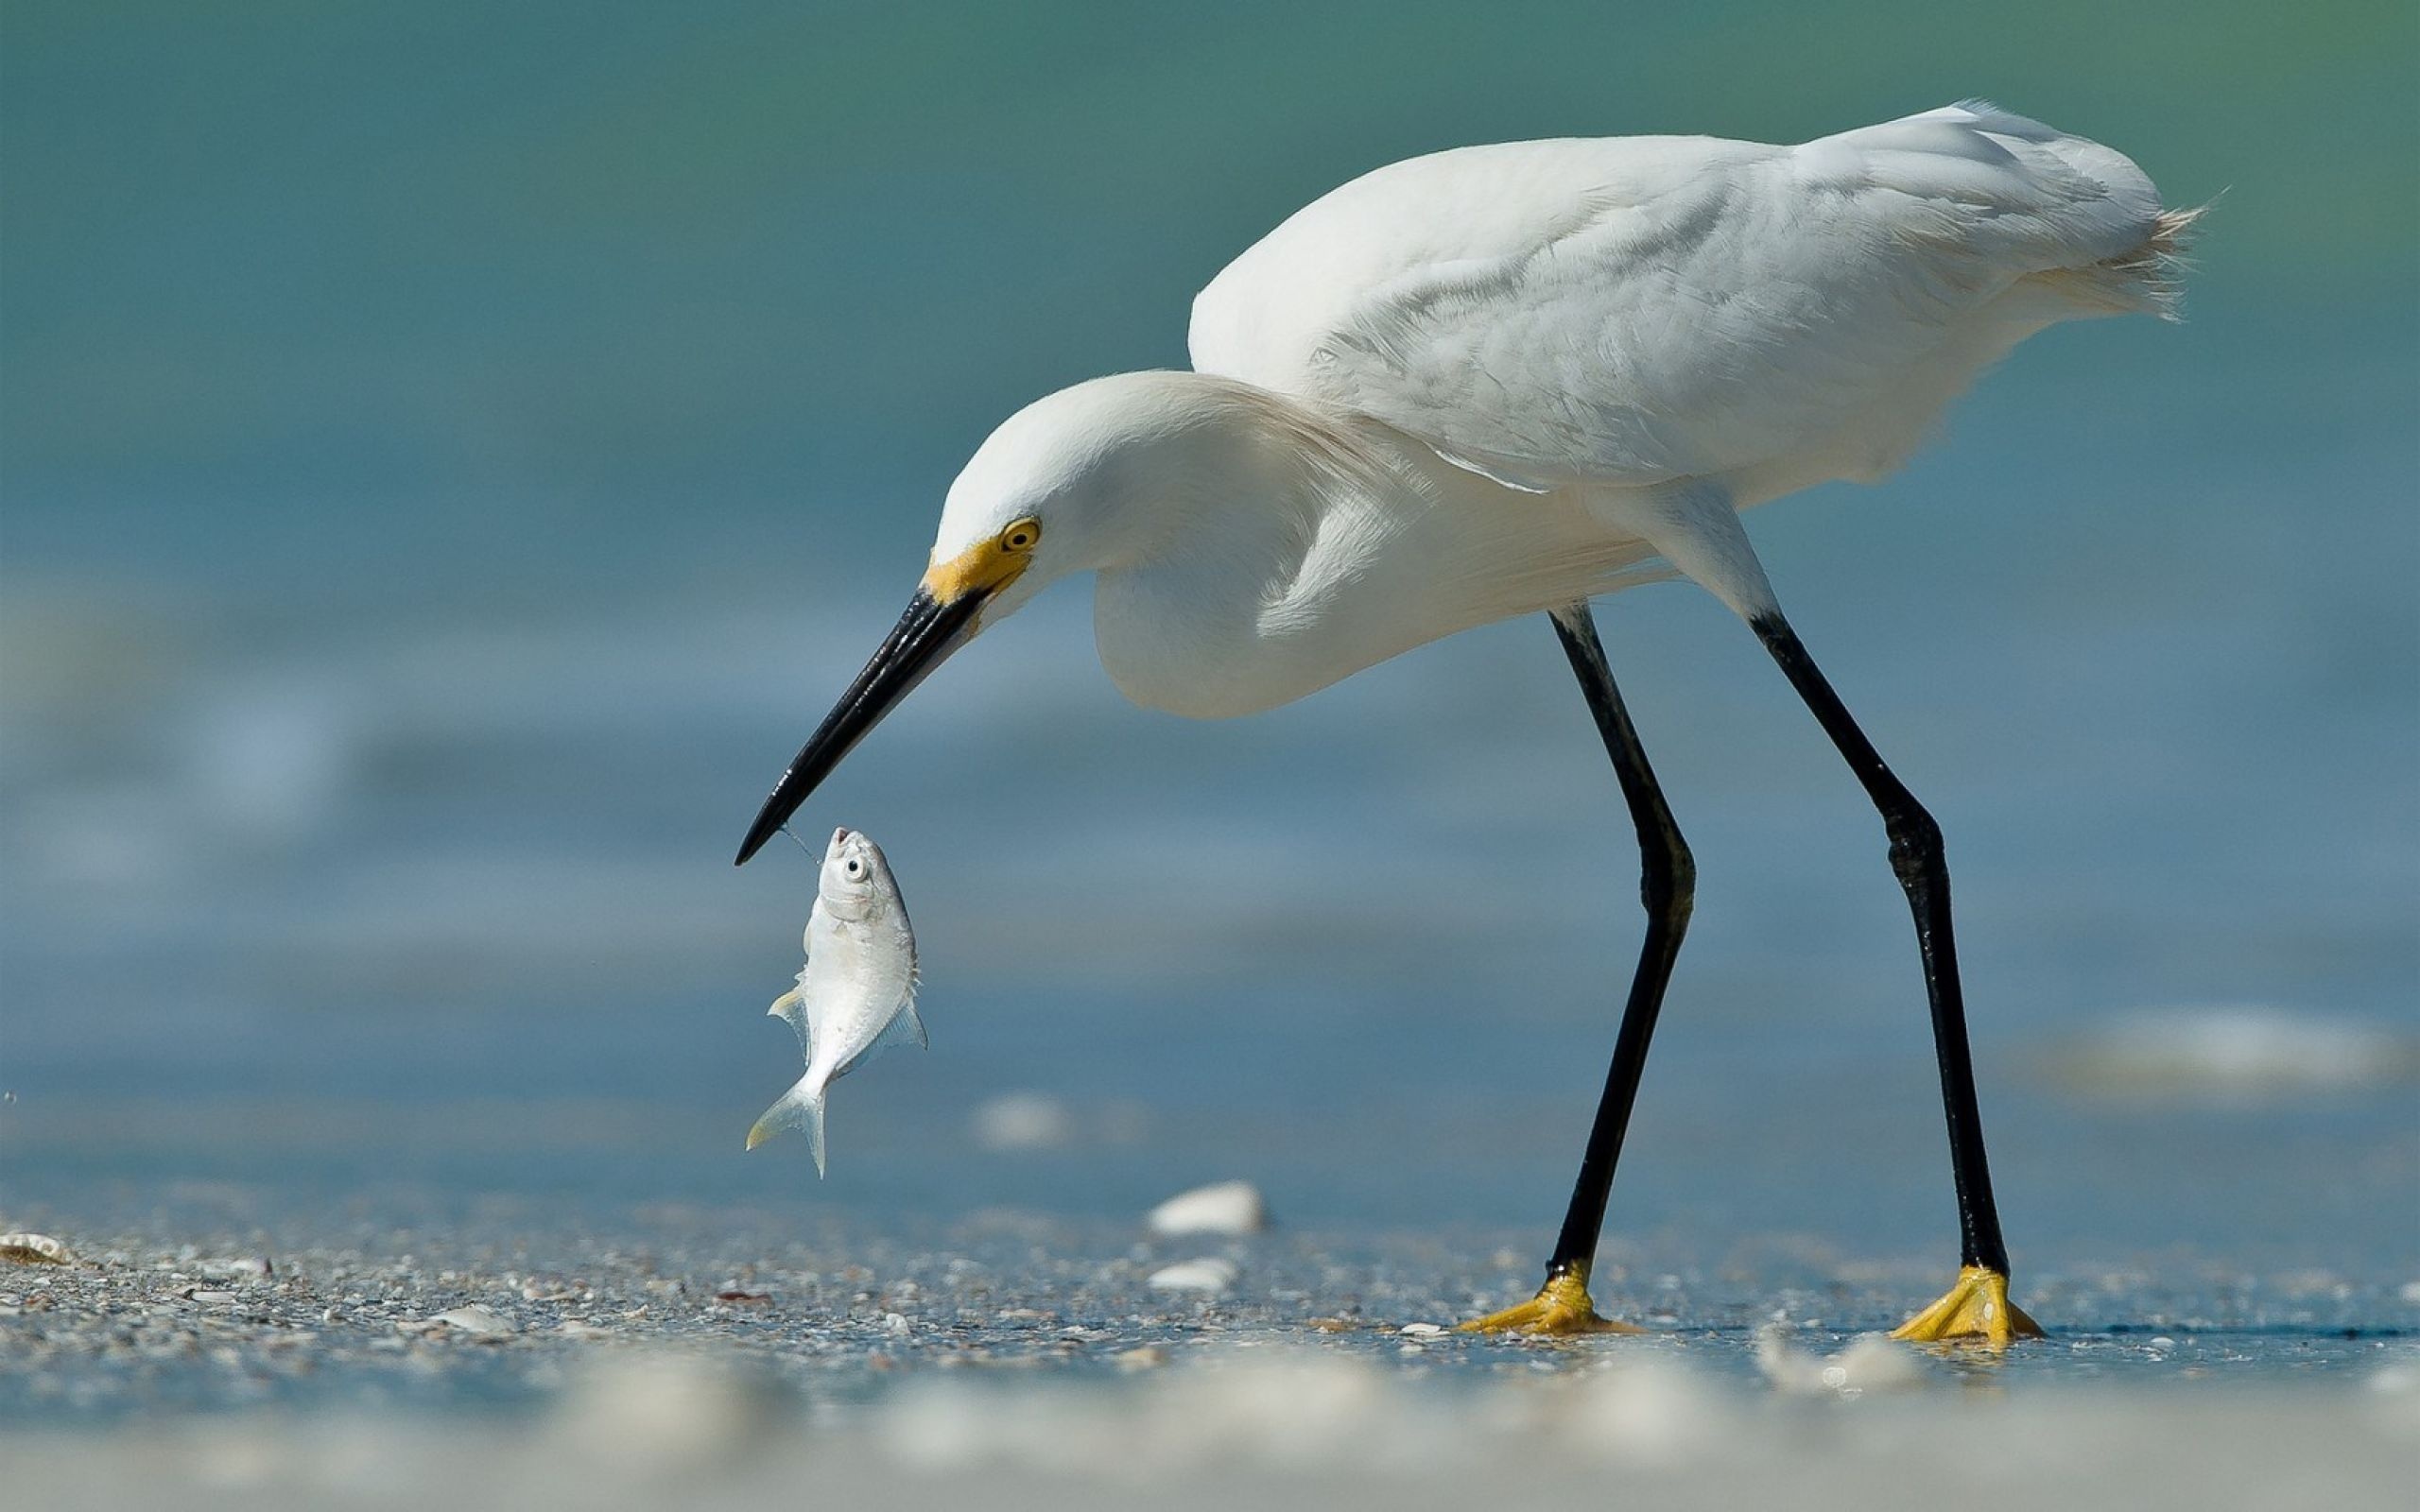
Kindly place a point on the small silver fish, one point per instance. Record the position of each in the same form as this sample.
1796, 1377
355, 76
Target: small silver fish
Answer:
857, 990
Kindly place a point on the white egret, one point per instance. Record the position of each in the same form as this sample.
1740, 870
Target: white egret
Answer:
1505, 379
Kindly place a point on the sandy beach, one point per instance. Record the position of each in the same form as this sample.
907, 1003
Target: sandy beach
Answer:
513, 1353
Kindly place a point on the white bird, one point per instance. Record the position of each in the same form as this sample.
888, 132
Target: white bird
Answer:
1503, 380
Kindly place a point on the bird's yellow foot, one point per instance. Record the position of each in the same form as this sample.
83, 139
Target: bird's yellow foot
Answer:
1977, 1308
1561, 1306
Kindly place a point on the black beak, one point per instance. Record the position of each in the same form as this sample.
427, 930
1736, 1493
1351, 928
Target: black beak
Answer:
922, 639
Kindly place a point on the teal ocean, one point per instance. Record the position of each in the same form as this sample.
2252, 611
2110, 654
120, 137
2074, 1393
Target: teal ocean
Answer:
451, 454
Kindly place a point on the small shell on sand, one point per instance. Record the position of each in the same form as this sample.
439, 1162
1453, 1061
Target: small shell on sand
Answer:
475, 1319
236, 1268
1211, 1273
34, 1249
1221, 1208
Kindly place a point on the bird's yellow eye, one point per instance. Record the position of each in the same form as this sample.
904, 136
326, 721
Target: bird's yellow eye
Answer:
1021, 534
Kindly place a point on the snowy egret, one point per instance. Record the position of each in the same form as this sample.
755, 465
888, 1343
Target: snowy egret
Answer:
1506, 379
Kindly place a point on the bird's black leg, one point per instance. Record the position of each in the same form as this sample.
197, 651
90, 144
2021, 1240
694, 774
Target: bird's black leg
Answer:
1667, 882
1979, 1304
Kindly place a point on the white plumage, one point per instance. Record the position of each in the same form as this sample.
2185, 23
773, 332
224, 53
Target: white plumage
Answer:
1635, 310
1505, 379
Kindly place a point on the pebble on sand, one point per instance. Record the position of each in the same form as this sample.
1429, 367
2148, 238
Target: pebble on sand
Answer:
1220, 1208
1211, 1273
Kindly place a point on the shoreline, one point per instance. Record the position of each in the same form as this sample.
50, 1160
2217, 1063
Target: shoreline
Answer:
510, 1352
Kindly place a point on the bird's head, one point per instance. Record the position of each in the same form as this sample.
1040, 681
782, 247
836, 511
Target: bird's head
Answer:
1064, 485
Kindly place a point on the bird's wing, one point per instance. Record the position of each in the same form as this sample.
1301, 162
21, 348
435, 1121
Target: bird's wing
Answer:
1632, 310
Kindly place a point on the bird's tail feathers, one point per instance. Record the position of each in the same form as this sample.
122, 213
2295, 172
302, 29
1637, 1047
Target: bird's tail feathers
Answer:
801, 1109
2149, 280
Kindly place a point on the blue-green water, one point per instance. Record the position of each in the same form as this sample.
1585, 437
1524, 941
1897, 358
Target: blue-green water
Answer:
452, 455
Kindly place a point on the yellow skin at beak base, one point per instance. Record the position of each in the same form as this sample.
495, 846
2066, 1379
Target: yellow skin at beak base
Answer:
986, 568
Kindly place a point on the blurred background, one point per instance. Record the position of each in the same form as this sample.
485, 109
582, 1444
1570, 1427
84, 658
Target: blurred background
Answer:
454, 453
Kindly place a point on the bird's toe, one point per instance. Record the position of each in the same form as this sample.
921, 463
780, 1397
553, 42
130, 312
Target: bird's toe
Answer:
1977, 1309
1561, 1306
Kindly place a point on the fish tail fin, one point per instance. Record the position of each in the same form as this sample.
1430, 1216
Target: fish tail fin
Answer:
801, 1109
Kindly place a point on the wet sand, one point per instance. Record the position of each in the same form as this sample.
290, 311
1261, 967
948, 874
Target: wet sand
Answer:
508, 1353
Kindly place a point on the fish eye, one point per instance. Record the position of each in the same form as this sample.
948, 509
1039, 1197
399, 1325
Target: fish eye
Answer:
1021, 535
856, 866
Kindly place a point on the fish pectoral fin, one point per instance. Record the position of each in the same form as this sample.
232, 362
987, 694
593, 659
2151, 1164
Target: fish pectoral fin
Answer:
905, 1030
792, 1009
